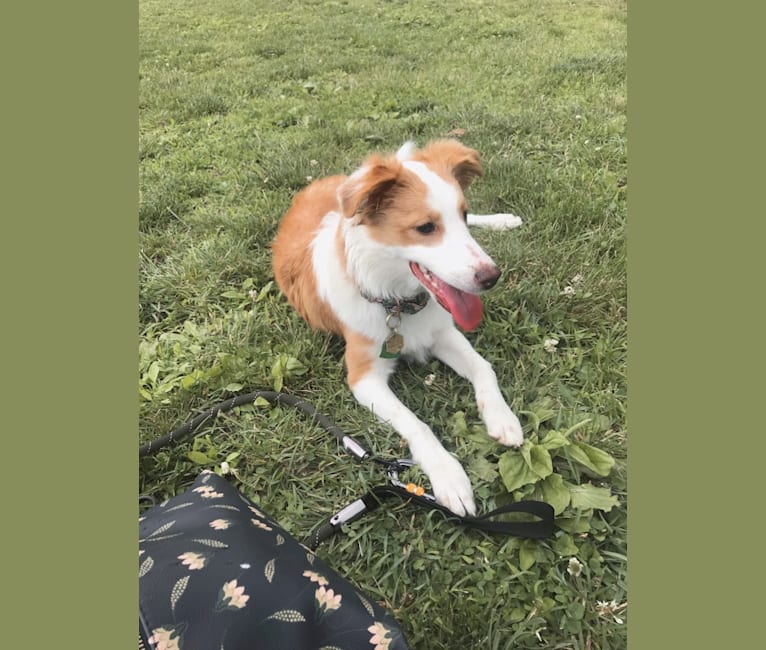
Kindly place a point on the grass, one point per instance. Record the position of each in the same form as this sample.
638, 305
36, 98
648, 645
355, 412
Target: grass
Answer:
240, 103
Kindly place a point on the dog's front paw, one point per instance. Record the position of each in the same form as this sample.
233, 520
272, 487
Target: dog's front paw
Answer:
504, 426
451, 485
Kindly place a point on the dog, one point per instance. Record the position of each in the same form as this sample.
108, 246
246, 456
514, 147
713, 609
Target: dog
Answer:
384, 258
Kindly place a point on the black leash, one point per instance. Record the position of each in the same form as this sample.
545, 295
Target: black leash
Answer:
491, 522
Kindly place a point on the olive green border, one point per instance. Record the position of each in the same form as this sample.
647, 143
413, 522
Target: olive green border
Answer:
69, 270
695, 167
69, 241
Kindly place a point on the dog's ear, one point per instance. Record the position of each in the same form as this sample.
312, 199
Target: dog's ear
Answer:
368, 190
452, 158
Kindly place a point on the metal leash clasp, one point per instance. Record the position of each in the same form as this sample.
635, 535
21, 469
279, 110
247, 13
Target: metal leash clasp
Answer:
401, 465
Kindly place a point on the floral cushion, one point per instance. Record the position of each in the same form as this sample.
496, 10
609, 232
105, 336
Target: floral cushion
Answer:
216, 573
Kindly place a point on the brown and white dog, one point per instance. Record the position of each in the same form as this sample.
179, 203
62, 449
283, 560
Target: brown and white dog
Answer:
362, 255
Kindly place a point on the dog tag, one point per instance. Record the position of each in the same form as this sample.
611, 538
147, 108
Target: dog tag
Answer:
392, 346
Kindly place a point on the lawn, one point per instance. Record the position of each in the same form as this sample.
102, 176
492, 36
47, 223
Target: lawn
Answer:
241, 105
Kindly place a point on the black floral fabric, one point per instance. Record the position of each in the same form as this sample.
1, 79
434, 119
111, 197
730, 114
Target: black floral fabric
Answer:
217, 573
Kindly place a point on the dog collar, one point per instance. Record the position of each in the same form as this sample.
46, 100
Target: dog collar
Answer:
401, 305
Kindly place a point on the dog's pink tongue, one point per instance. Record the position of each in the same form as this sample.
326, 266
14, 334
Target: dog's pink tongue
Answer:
466, 308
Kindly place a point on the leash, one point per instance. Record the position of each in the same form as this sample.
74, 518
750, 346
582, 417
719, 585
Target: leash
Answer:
492, 522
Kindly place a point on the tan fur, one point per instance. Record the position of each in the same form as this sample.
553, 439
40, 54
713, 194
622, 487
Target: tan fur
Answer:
292, 252
452, 160
389, 199
358, 359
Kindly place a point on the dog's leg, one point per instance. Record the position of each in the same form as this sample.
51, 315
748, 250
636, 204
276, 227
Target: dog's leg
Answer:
368, 378
453, 348
494, 221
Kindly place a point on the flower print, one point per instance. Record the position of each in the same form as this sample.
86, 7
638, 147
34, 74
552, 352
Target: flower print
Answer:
260, 524
232, 596
327, 599
194, 561
220, 524
256, 512
379, 638
164, 638
207, 492
315, 577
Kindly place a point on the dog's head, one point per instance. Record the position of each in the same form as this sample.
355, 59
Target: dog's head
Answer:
410, 210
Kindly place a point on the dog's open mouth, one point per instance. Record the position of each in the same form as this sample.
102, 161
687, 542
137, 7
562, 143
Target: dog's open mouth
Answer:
466, 308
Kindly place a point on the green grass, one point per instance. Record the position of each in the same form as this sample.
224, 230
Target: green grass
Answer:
240, 103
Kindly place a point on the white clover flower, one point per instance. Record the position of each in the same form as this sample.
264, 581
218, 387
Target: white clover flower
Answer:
429, 379
550, 345
568, 291
574, 568
607, 608
577, 279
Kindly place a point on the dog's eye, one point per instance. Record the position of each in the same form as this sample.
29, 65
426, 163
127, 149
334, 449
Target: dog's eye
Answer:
426, 228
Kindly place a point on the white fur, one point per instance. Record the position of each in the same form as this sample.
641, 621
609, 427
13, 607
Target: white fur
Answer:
384, 271
494, 221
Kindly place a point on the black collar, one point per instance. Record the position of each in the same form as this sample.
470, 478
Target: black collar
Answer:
401, 305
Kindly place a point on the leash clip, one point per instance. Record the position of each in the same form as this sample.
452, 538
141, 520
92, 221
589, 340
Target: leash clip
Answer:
400, 465
349, 513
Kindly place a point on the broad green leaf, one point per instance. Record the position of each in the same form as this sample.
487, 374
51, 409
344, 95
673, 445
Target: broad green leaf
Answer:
514, 471
484, 470
597, 461
556, 493
295, 367
261, 401
526, 452
189, 380
576, 610
526, 557
199, 458
233, 294
565, 546
554, 440
263, 292
278, 367
577, 524
233, 387
517, 615
540, 461
153, 372
590, 496
539, 412
458, 424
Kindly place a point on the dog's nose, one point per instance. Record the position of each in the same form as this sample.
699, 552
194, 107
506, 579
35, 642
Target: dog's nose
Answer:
486, 277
